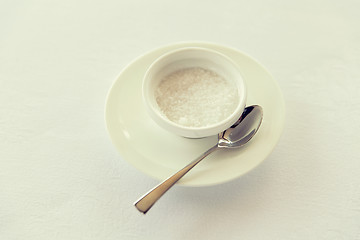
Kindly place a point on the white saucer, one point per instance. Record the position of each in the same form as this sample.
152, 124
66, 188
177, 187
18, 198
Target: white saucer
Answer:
159, 153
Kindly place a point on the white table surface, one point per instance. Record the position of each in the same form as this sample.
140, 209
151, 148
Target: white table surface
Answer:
61, 178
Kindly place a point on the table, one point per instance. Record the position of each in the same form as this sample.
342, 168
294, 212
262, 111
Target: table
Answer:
61, 178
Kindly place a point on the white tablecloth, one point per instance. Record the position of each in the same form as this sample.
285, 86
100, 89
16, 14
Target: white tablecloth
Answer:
61, 178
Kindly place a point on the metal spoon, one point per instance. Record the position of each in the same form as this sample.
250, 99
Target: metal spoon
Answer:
235, 136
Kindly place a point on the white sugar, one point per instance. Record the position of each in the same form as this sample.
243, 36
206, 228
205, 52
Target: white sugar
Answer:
196, 97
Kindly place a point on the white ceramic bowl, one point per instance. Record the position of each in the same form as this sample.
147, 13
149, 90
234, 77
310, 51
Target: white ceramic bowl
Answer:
187, 58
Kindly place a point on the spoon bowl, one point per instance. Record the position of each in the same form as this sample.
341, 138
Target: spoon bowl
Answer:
235, 136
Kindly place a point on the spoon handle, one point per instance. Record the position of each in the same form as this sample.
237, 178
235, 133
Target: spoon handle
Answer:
148, 200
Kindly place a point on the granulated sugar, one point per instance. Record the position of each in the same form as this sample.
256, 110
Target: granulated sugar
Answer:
196, 97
